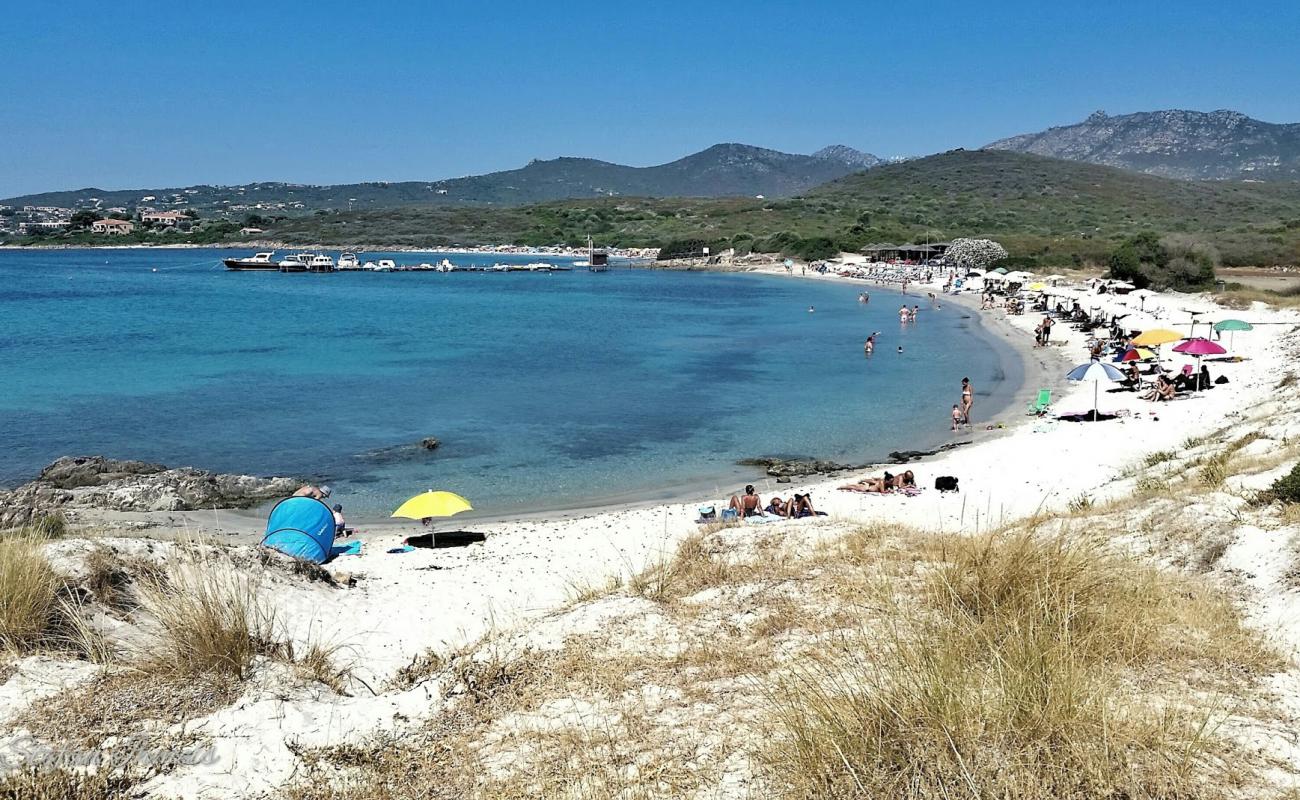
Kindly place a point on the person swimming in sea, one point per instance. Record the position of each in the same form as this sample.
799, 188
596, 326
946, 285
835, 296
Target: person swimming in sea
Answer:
870, 346
864, 298
811, 309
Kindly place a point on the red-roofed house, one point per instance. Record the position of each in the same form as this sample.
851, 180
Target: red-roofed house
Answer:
112, 227
168, 218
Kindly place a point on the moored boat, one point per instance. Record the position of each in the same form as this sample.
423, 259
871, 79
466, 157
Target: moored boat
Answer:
294, 263
348, 261
259, 261
320, 263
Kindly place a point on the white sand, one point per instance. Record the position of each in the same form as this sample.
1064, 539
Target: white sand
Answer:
403, 605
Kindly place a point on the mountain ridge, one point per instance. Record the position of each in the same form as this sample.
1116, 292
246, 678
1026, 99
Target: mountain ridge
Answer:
727, 169
1172, 143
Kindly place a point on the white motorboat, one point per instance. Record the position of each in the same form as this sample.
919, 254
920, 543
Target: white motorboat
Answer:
320, 263
348, 261
446, 266
294, 263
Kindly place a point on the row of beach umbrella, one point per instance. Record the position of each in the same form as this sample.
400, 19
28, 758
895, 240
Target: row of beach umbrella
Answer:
1097, 371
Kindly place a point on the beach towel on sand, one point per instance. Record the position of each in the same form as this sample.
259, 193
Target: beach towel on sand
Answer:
352, 548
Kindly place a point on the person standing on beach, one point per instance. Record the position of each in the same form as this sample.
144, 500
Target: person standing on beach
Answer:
956, 416
967, 399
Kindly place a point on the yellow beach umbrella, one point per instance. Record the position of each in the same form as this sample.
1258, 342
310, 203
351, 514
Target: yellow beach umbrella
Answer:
433, 504
1157, 337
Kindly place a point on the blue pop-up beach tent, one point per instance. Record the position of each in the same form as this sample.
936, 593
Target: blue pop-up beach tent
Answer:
302, 527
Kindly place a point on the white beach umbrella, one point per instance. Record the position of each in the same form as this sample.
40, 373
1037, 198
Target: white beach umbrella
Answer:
1094, 372
1138, 321
1142, 295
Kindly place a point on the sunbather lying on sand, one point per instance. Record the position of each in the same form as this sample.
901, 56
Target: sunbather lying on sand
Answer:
748, 504
778, 507
886, 484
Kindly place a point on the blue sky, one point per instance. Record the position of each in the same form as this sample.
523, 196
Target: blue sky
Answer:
144, 94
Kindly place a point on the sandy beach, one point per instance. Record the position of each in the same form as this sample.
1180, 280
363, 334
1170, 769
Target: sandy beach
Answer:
390, 609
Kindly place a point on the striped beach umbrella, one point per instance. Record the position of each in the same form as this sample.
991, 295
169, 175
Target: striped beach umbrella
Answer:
1094, 372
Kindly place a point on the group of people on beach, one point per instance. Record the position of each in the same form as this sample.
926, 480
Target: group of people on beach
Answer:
322, 494
961, 409
882, 485
750, 504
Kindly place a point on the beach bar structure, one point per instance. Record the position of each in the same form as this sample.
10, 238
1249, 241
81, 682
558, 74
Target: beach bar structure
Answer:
906, 252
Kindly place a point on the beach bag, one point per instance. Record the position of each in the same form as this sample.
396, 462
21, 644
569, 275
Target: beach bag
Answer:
708, 512
946, 483
729, 514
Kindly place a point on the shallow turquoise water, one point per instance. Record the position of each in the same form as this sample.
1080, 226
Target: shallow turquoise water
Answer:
546, 390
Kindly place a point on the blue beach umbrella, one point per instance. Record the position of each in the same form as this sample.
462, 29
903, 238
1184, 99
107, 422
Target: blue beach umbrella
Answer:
1094, 372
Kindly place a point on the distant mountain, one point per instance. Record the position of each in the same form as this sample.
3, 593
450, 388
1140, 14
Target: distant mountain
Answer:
1174, 144
847, 155
1054, 212
724, 170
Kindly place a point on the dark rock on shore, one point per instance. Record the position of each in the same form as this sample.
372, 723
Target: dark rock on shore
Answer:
905, 456
96, 482
796, 467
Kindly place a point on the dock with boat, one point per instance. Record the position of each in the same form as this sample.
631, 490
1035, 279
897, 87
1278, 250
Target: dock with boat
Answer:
350, 262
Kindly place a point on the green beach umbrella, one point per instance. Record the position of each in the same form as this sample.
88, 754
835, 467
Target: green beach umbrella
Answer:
1232, 326
1001, 270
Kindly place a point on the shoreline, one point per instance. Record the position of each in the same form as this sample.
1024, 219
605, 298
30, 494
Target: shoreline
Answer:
633, 254
531, 580
1016, 357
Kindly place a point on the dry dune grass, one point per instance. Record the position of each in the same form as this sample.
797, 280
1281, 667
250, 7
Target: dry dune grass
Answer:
29, 593
1015, 677
208, 620
126, 703
64, 784
879, 663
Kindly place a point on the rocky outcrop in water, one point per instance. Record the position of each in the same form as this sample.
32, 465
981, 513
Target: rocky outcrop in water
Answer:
796, 467
96, 482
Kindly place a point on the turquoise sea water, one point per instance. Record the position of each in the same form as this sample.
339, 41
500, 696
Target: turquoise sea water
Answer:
547, 391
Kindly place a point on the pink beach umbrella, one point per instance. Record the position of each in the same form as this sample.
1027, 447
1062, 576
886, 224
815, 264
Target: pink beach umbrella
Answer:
1199, 347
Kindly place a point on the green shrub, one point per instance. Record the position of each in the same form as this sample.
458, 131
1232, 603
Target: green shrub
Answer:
685, 248
1287, 487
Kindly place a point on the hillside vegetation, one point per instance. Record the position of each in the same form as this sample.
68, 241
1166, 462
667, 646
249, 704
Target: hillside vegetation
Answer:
1046, 211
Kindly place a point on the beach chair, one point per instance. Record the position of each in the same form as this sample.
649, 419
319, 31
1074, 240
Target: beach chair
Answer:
1039, 407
